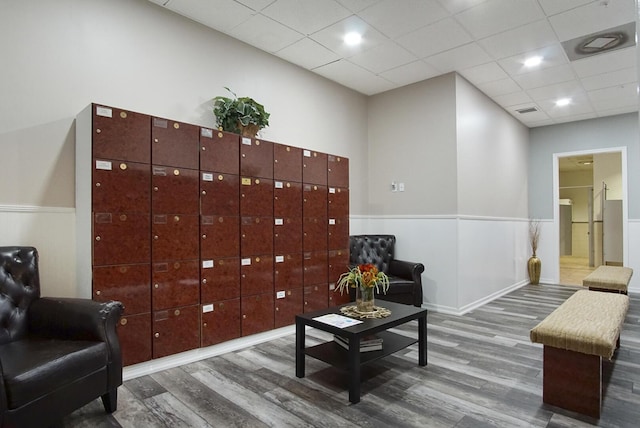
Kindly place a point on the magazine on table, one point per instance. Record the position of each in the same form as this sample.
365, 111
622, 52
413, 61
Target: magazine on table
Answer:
367, 343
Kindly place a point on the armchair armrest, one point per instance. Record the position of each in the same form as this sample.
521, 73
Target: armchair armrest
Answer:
407, 270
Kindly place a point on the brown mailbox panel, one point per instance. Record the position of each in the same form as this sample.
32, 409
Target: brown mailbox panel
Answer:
314, 167
287, 163
315, 268
175, 237
176, 330
175, 190
288, 271
338, 171
287, 199
337, 299
287, 235
257, 313
220, 321
175, 284
256, 235
219, 236
174, 143
129, 284
219, 151
338, 202
134, 333
288, 304
121, 134
338, 233
316, 297
256, 275
314, 234
219, 193
256, 158
338, 263
220, 280
314, 200
256, 196
120, 238
121, 186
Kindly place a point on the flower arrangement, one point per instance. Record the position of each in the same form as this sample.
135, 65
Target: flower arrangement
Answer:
365, 276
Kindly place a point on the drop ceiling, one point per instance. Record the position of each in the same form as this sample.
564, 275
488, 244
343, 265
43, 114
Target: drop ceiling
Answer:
485, 41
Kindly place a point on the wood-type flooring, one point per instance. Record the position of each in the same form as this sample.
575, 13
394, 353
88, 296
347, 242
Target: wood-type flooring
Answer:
482, 372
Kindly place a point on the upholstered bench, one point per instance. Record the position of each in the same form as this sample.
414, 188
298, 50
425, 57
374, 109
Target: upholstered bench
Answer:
609, 278
576, 336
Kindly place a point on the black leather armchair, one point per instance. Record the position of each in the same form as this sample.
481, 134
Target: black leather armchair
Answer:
405, 281
56, 354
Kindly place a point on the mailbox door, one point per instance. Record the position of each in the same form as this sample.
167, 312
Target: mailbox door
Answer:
256, 236
219, 194
222, 323
219, 151
314, 200
256, 158
288, 304
314, 167
220, 280
175, 284
219, 236
337, 299
338, 233
175, 237
175, 191
338, 171
338, 263
316, 297
315, 268
120, 186
338, 202
256, 275
257, 313
120, 238
176, 330
134, 333
174, 143
288, 271
129, 284
287, 163
256, 197
287, 199
287, 235
314, 234
121, 134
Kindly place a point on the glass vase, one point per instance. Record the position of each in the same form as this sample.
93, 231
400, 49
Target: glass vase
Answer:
365, 300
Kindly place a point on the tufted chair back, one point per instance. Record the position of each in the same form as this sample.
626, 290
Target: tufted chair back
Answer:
19, 286
375, 249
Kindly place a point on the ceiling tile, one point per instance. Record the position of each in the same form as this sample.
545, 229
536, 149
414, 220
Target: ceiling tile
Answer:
615, 97
410, 73
553, 7
306, 16
355, 77
545, 77
222, 16
569, 89
523, 39
612, 78
455, 6
496, 16
615, 111
459, 58
499, 87
308, 54
579, 105
394, 20
357, 5
438, 37
265, 34
484, 73
575, 117
256, 5
592, 17
553, 56
332, 36
515, 98
383, 57
605, 62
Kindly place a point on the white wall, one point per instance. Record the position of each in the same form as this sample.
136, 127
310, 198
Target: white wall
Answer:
60, 56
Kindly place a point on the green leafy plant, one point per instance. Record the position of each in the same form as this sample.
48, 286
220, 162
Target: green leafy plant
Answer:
242, 115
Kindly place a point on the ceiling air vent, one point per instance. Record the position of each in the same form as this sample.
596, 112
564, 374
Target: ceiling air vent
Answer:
619, 37
526, 110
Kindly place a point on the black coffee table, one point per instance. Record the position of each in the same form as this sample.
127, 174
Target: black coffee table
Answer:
351, 360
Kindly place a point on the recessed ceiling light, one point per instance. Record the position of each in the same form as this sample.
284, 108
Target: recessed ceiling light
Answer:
353, 38
533, 61
563, 102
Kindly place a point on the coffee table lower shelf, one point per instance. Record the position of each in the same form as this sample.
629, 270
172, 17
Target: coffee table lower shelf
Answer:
337, 356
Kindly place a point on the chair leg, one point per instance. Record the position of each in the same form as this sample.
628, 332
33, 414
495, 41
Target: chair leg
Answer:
110, 401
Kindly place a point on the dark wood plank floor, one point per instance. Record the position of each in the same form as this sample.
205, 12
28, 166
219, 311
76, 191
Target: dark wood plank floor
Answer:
482, 372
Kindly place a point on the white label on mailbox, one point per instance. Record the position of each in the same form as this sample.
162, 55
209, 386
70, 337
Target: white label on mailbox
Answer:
206, 132
280, 295
207, 264
332, 190
207, 308
246, 141
332, 221
307, 153
278, 185
246, 262
104, 111
279, 222
279, 259
332, 286
207, 176
106, 165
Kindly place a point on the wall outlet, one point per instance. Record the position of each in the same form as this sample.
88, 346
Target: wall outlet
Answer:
401, 187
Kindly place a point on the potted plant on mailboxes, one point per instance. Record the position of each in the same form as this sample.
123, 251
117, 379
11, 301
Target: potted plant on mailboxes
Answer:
242, 115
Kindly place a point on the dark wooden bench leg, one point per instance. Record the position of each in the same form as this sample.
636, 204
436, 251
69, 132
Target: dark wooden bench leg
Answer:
572, 380
110, 401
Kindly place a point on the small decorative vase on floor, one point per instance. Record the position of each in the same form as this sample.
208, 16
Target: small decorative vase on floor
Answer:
365, 300
535, 266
